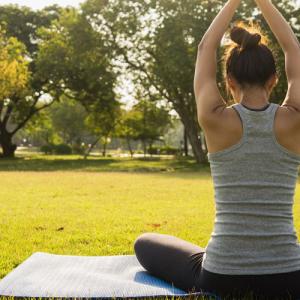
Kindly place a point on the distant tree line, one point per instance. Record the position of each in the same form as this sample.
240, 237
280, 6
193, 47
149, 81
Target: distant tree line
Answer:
64, 65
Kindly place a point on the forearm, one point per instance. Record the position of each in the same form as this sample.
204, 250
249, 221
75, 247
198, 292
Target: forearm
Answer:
213, 36
279, 26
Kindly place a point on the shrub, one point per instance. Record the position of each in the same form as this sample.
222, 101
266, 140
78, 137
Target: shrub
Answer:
169, 150
78, 149
153, 150
62, 149
139, 151
47, 149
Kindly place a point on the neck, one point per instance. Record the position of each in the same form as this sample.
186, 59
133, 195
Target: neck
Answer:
254, 97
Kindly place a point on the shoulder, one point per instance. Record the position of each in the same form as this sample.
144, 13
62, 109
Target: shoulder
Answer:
288, 115
222, 116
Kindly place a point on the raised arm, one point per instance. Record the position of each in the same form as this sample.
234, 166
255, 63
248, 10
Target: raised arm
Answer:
291, 47
207, 94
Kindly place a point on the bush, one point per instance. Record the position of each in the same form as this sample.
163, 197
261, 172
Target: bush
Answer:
47, 149
139, 151
169, 150
62, 149
56, 149
153, 150
78, 149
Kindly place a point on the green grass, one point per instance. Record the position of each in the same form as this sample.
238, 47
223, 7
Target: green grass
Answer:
66, 205
40, 162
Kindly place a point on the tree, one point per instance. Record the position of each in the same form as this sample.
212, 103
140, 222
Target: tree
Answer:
153, 122
128, 127
20, 105
23, 23
68, 120
76, 58
157, 41
14, 77
146, 122
39, 131
101, 123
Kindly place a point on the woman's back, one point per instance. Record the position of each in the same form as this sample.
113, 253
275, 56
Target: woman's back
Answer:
254, 182
254, 244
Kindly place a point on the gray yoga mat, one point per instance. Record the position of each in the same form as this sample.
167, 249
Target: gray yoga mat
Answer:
65, 276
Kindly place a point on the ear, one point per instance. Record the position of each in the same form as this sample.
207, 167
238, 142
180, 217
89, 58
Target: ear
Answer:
231, 82
272, 82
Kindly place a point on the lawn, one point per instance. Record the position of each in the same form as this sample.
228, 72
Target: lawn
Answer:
66, 205
83, 208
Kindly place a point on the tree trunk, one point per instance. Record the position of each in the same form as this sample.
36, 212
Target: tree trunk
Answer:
8, 148
87, 153
104, 148
193, 133
145, 147
196, 144
129, 146
185, 140
150, 146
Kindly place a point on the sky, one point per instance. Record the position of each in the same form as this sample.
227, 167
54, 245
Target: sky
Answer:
38, 4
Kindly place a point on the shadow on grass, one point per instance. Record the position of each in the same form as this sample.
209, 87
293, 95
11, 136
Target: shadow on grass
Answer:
251, 296
46, 163
115, 298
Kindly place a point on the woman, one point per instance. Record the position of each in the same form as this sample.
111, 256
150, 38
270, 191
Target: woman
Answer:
254, 154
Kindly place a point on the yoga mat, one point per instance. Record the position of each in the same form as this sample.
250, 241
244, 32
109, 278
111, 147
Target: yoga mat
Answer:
66, 276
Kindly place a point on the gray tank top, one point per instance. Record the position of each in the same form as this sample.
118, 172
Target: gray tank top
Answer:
254, 184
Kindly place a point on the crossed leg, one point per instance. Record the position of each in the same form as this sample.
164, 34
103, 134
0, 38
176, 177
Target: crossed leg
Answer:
170, 258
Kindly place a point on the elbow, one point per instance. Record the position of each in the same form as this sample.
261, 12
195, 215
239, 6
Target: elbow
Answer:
201, 117
206, 44
202, 44
291, 48
201, 120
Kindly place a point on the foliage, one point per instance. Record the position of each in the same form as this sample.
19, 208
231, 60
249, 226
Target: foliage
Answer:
68, 120
47, 149
80, 63
74, 57
153, 121
168, 150
62, 149
83, 54
23, 23
58, 149
145, 121
157, 42
40, 130
13, 67
21, 105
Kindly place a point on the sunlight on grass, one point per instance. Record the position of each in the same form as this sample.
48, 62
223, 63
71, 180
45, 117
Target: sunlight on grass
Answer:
40, 162
98, 213
90, 212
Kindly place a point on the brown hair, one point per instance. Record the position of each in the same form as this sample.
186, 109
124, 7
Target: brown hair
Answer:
248, 59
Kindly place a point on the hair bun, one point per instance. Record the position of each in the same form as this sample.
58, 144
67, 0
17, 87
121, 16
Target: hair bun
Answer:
244, 38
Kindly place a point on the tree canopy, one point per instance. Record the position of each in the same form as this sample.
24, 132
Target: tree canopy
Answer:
82, 53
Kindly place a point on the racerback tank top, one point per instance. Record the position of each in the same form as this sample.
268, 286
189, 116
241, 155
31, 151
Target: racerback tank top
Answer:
254, 184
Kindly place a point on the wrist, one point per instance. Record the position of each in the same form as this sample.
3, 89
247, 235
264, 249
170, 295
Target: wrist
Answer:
263, 1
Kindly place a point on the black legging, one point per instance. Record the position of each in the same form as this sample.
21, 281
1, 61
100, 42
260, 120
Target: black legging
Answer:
179, 262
